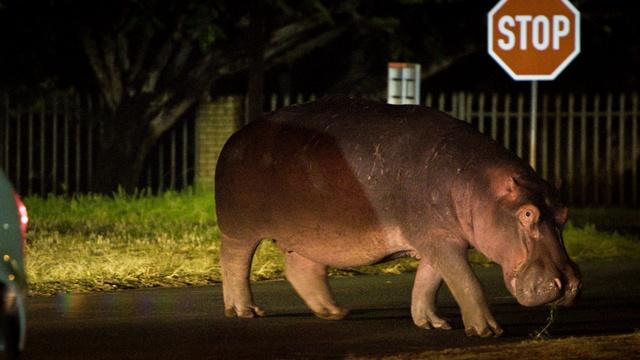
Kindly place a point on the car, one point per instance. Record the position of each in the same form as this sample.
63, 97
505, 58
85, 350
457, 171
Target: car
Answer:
13, 283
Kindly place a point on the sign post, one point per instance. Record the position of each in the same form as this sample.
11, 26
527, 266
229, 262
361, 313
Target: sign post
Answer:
533, 40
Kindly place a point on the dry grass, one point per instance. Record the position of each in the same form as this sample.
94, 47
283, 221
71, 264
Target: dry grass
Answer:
600, 347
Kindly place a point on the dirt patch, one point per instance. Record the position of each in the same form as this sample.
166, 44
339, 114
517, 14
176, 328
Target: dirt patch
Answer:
597, 347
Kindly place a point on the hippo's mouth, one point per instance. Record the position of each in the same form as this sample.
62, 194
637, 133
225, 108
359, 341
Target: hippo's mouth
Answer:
569, 295
534, 291
535, 283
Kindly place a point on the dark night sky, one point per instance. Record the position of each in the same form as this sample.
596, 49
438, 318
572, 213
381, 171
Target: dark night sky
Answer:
609, 60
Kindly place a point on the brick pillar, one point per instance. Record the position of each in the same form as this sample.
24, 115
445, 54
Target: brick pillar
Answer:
216, 121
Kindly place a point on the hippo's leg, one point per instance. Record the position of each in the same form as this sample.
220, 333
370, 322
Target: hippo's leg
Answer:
235, 260
423, 298
449, 257
309, 279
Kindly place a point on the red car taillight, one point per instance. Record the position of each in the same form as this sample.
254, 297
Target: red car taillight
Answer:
23, 217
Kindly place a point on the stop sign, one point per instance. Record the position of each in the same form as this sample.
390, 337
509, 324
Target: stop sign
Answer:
534, 40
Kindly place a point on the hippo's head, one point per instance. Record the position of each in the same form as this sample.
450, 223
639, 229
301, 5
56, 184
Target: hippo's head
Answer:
519, 226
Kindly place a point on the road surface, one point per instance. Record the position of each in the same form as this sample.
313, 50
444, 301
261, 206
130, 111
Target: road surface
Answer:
188, 323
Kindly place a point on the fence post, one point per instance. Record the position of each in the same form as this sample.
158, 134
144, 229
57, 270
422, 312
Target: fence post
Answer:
78, 138
635, 152
54, 140
570, 154
90, 144
66, 141
216, 121
42, 147
596, 149
429, 100
18, 176
558, 129
30, 147
621, 142
480, 111
469, 107
4, 134
583, 150
185, 153
494, 119
608, 150
519, 125
507, 121
545, 137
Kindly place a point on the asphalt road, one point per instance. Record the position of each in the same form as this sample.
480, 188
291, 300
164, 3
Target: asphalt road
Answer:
188, 323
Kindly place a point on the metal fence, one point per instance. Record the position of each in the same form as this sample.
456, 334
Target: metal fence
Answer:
589, 142
48, 145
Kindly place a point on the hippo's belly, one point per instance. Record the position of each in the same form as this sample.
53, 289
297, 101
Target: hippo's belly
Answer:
346, 248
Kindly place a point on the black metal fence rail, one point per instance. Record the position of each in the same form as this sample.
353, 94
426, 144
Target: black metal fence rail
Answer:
48, 146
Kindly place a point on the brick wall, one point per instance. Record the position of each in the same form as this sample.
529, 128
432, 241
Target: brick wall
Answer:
216, 121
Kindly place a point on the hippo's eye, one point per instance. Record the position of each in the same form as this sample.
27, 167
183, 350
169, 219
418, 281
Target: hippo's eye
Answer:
528, 215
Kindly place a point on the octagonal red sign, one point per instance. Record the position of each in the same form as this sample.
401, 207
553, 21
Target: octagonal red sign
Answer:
534, 40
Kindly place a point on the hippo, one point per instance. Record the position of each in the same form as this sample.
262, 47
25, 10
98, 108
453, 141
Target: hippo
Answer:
344, 182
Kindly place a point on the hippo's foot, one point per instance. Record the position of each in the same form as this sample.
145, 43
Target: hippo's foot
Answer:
431, 321
235, 260
423, 298
244, 311
336, 313
309, 279
483, 326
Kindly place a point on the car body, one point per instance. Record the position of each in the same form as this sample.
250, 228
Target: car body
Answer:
13, 227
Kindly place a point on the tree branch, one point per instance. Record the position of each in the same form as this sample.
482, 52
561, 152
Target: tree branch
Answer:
283, 38
305, 46
113, 71
446, 62
162, 58
100, 69
169, 115
139, 58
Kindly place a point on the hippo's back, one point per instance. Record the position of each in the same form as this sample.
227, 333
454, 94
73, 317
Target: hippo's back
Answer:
336, 168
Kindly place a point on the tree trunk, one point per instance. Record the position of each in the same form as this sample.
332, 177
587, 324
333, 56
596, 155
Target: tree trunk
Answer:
255, 85
123, 146
115, 170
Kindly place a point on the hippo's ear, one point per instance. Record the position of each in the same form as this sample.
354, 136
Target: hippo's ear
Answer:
528, 214
507, 188
562, 215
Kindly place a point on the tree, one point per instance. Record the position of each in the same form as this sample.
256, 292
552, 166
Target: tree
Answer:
153, 60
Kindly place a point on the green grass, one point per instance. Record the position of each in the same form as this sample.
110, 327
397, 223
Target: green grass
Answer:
88, 243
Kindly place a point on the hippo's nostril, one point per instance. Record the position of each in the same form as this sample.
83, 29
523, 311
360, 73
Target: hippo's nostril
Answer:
557, 283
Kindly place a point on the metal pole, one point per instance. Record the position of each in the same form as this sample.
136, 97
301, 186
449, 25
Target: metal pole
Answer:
534, 123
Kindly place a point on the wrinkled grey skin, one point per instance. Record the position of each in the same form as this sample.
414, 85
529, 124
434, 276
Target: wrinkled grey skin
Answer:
343, 182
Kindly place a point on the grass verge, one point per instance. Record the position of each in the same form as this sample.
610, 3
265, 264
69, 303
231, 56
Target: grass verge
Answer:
88, 243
